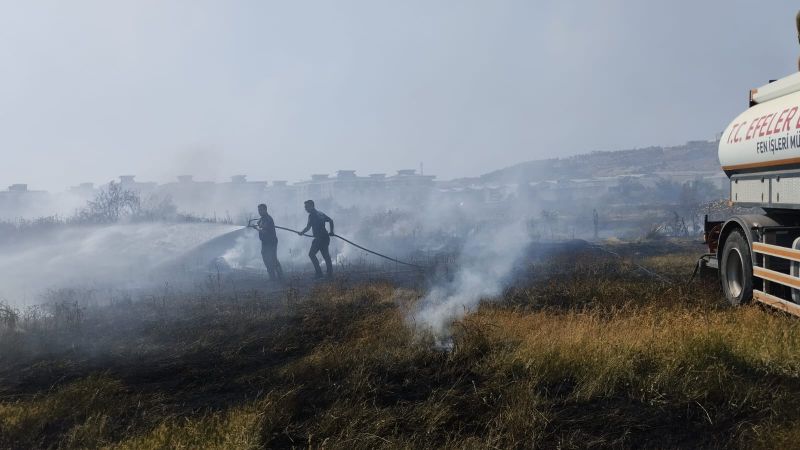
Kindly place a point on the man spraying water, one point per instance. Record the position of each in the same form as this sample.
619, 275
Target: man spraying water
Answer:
269, 243
322, 238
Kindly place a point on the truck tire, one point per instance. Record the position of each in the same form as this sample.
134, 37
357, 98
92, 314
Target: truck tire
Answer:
736, 269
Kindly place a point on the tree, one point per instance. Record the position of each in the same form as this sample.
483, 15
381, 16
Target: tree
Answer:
111, 204
154, 208
550, 217
694, 195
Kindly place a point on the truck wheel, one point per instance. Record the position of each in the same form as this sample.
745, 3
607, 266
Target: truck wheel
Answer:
736, 269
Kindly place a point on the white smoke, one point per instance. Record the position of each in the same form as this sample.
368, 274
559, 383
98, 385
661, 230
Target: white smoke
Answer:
483, 268
245, 252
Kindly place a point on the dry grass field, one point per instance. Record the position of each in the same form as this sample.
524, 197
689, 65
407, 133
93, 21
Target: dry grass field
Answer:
585, 350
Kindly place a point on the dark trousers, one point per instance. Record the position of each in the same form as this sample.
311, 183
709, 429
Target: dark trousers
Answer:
321, 245
269, 253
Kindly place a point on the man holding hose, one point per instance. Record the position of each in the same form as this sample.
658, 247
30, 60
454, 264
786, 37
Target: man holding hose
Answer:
269, 243
322, 238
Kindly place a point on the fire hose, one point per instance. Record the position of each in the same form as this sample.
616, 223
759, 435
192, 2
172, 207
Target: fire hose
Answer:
250, 225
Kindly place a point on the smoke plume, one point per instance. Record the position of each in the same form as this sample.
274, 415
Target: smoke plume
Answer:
125, 255
484, 266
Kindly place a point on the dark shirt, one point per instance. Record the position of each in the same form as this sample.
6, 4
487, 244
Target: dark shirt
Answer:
266, 230
316, 221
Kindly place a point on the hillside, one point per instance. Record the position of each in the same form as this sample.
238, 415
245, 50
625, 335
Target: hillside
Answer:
695, 156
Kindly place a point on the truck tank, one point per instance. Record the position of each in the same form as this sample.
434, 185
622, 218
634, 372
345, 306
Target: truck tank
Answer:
760, 149
766, 136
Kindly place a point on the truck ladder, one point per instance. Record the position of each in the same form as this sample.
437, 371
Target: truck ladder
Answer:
772, 276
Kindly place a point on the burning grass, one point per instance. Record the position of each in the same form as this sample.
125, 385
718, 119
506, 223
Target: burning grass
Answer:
593, 353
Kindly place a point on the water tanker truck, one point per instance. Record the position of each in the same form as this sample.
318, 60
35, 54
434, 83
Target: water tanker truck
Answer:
758, 255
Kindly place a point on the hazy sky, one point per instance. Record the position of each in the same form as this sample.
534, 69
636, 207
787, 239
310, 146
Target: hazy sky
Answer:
280, 90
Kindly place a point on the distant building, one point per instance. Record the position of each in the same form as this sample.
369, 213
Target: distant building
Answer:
82, 188
19, 198
239, 187
349, 188
197, 197
129, 183
279, 192
83, 191
409, 187
319, 187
